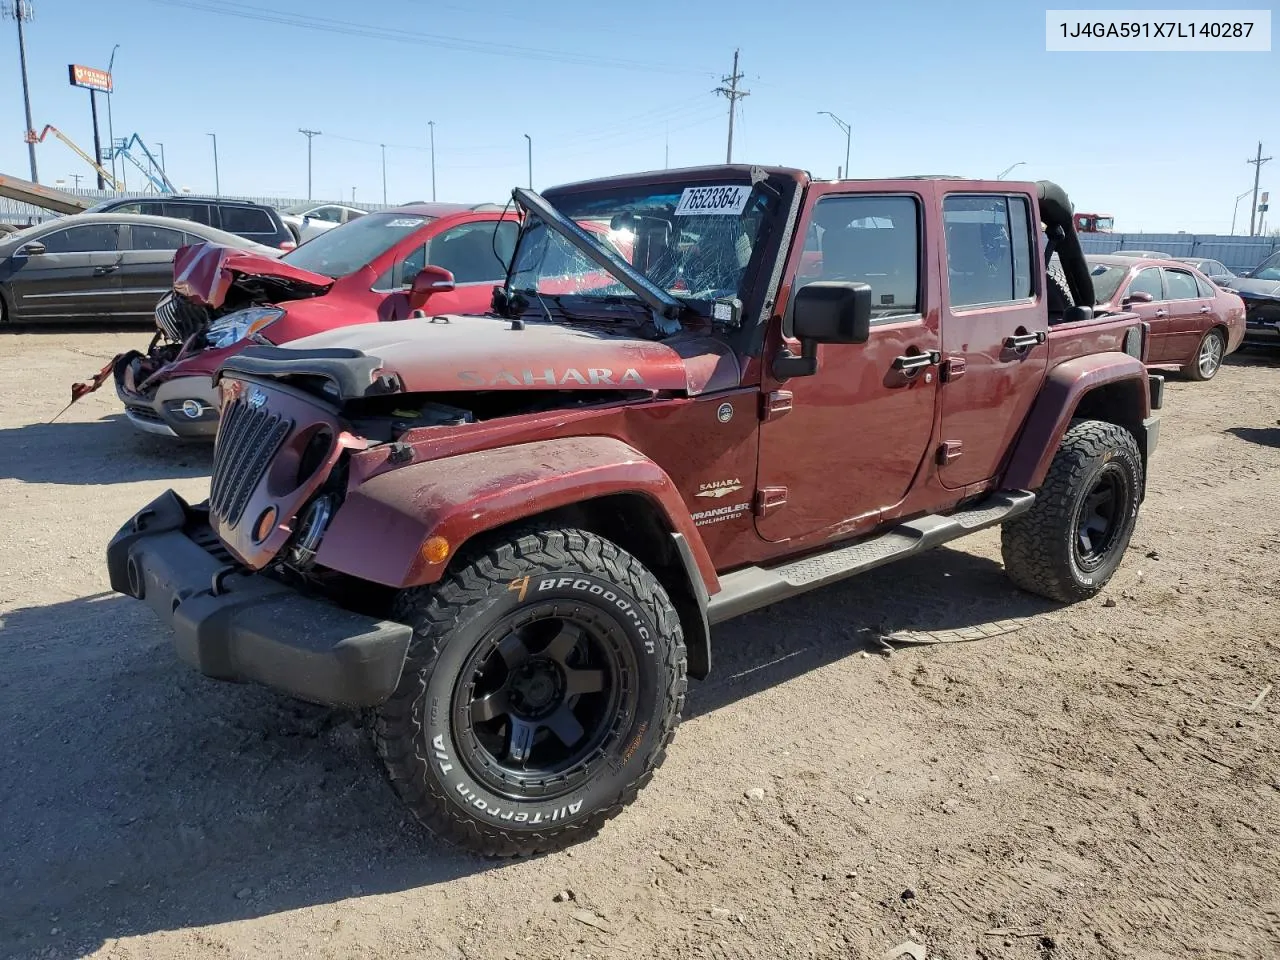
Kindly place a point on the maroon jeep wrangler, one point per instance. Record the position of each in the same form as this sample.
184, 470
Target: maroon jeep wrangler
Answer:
699, 392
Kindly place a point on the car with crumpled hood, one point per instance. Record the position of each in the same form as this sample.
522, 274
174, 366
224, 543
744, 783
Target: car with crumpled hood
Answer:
383, 266
1260, 291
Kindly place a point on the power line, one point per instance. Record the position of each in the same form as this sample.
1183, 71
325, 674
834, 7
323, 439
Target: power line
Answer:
349, 28
733, 95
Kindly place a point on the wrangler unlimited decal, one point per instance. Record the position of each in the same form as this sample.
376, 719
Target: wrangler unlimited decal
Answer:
594, 376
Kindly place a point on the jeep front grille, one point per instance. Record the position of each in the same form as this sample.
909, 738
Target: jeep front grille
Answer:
248, 438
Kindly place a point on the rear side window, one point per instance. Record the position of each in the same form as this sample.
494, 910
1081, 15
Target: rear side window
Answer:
129, 208
1206, 288
154, 238
989, 251
468, 252
244, 220
1148, 281
198, 212
1180, 285
91, 238
868, 239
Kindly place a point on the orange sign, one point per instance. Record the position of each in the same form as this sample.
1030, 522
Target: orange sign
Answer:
89, 78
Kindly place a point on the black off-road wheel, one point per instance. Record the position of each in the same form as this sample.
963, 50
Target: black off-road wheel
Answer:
544, 681
1068, 545
1208, 359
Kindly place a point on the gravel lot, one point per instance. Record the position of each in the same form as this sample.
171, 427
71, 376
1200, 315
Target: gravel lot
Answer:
1093, 784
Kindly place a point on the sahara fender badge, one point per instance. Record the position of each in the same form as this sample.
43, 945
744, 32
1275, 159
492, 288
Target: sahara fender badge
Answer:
718, 488
725, 412
255, 398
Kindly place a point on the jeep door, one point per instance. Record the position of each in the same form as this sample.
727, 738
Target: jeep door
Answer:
838, 447
994, 328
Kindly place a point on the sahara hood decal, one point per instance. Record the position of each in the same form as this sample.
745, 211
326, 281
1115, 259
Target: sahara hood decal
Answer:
485, 353
592, 376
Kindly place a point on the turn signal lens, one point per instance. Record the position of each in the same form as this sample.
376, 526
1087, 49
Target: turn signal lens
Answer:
262, 529
435, 549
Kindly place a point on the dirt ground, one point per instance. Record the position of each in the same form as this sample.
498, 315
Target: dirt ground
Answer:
1102, 782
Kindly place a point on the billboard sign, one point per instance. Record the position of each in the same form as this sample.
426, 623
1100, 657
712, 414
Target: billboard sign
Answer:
89, 77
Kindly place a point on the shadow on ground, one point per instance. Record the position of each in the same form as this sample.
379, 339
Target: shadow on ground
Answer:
142, 797
102, 451
1263, 436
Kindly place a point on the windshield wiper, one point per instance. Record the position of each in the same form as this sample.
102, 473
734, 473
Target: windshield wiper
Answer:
665, 308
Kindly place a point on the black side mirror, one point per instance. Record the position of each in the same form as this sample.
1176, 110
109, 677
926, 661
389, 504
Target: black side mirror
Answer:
829, 311
1138, 296
33, 249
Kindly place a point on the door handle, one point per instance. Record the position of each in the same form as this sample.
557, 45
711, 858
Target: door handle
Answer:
103, 271
1162, 313
911, 362
1022, 341
1204, 309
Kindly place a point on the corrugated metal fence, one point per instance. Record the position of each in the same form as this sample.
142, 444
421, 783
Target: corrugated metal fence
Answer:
14, 211
1240, 254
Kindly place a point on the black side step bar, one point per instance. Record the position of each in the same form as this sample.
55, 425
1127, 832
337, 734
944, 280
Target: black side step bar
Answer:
754, 587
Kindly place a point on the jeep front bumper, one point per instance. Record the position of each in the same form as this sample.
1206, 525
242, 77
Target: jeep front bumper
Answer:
235, 625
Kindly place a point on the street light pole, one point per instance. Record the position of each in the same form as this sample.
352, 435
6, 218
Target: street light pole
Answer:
111, 129
1005, 172
848, 136
530, 139
1236, 209
217, 184
384, 173
430, 126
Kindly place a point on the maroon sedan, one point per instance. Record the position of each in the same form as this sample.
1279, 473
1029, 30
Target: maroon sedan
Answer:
1194, 324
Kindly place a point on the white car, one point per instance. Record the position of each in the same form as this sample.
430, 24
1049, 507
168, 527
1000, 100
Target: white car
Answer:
309, 221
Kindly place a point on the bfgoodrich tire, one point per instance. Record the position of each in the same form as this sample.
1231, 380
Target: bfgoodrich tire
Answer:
1068, 545
544, 681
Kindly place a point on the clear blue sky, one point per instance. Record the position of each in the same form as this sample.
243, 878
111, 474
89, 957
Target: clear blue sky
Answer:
932, 87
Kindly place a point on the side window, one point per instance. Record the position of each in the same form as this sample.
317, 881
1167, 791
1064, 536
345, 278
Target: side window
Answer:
867, 239
244, 220
989, 251
91, 238
1180, 285
128, 208
352, 215
468, 252
154, 238
152, 208
188, 211
1205, 287
1148, 281
1217, 269
327, 214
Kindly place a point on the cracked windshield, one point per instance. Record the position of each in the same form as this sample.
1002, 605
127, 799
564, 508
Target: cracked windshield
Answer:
695, 242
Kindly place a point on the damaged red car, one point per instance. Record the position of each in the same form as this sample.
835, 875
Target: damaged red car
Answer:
434, 257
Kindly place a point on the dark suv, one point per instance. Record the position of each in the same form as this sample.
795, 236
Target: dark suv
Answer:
253, 221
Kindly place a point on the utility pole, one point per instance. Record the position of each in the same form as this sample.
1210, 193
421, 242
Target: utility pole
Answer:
1257, 172
111, 129
76, 177
21, 11
666, 147
530, 139
217, 185
733, 95
309, 134
431, 125
384, 173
